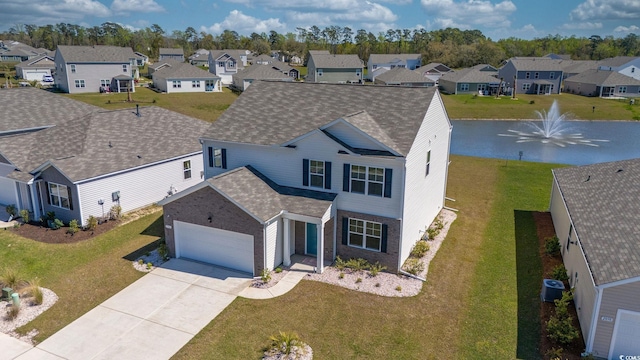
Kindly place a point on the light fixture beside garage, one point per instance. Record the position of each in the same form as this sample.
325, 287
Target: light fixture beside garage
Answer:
210, 218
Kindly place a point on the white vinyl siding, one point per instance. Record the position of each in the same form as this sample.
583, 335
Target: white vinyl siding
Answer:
138, 188
316, 173
7, 191
424, 195
614, 298
274, 244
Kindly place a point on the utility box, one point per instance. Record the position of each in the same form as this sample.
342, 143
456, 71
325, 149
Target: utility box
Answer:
6, 293
551, 290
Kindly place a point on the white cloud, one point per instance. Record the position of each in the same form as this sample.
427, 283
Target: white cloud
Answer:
606, 10
127, 6
50, 11
582, 26
626, 29
468, 14
244, 24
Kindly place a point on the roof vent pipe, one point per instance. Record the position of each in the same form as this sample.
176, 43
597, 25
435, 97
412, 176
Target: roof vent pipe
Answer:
137, 110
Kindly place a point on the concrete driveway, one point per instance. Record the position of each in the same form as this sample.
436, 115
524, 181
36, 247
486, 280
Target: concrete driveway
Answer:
152, 318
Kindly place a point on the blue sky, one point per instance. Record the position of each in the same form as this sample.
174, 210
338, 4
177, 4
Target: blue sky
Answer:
497, 19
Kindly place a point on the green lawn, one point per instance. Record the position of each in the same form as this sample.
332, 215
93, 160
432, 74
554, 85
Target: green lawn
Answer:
488, 107
205, 106
480, 300
83, 274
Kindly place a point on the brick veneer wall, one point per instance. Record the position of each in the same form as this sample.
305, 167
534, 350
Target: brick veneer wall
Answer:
196, 208
388, 259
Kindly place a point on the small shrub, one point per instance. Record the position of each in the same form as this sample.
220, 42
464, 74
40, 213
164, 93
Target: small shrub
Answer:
432, 233
10, 278
11, 210
73, 227
56, 224
284, 343
559, 272
115, 212
340, 264
13, 312
420, 249
147, 253
92, 223
51, 215
358, 280
265, 276
16, 225
532, 102
555, 353
398, 288
149, 266
414, 266
358, 264
375, 269
163, 251
561, 330
552, 246
24, 214
141, 261
438, 224
377, 284
32, 288
562, 304
278, 270
341, 275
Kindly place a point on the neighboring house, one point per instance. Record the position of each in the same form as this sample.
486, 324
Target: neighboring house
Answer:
433, 71
381, 63
184, 77
558, 56
277, 65
469, 81
159, 65
79, 160
37, 68
246, 77
200, 58
14, 51
540, 76
264, 59
225, 63
343, 175
401, 76
328, 68
486, 69
602, 83
625, 65
176, 54
575, 67
595, 214
141, 59
83, 69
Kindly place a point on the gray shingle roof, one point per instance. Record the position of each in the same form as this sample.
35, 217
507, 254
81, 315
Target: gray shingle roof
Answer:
85, 152
602, 200
265, 199
616, 61
578, 66
171, 51
402, 75
388, 58
470, 75
37, 62
97, 53
163, 63
261, 72
27, 108
603, 78
540, 64
328, 61
258, 116
180, 70
438, 67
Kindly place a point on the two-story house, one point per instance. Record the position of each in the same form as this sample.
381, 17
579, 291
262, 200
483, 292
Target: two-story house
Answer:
349, 171
176, 54
83, 69
323, 67
625, 65
381, 63
225, 63
540, 76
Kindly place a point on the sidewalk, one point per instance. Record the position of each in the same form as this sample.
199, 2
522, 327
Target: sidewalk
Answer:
299, 269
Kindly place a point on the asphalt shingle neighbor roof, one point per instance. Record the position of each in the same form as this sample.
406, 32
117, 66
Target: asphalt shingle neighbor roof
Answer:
603, 78
603, 203
97, 53
329, 61
257, 116
178, 70
402, 75
261, 72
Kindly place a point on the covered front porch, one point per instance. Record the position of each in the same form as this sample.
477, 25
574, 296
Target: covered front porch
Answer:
123, 84
543, 87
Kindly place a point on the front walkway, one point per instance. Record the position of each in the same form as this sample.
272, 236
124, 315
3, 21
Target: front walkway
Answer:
4, 218
301, 267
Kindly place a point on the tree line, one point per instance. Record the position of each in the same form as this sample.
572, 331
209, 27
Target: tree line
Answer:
451, 46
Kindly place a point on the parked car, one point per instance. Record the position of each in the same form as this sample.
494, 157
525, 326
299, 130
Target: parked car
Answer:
47, 78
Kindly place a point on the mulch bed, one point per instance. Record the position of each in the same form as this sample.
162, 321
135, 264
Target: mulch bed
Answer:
35, 231
545, 229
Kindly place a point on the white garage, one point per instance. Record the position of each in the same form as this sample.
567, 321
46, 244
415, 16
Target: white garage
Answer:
215, 246
625, 335
35, 74
7, 191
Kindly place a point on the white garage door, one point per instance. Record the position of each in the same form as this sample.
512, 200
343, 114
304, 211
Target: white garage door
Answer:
625, 335
219, 247
7, 191
36, 74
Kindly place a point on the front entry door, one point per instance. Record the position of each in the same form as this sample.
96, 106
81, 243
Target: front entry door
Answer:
312, 239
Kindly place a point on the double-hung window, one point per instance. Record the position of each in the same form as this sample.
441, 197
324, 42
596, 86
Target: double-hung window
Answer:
358, 179
622, 89
369, 180
124, 68
376, 181
527, 75
428, 163
73, 68
177, 83
59, 195
218, 158
464, 87
80, 83
316, 173
195, 83
186, 169
365, 234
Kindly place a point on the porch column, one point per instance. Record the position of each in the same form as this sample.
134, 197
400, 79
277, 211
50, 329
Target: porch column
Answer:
34, 200
320, 251
286, 234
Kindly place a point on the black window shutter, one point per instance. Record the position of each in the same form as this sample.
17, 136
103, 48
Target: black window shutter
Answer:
46, 189
224, 158
345, 230
388, 174
345, 177
305, 172
210, 156
383, 246
70, 198
327, 174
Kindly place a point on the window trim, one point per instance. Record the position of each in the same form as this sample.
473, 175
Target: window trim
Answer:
186, 169
125, 68
622, 89
80, 83
58, 196
217, 158
73, 68
464, 87
527, 75
316, 174
365, 234
177, 84
195, 83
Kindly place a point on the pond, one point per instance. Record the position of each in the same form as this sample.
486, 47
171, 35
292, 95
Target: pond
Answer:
582, 143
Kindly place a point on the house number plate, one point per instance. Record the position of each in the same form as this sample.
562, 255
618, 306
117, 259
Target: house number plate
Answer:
607, 319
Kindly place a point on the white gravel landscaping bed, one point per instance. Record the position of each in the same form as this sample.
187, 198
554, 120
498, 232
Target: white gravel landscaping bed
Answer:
27, 313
